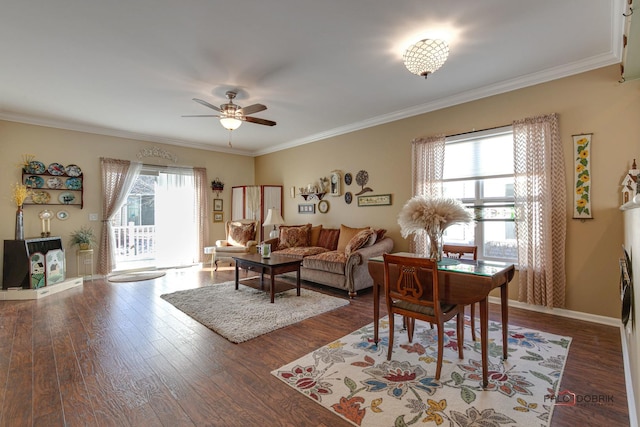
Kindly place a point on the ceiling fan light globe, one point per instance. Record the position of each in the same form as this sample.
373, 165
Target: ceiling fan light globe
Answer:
230, 123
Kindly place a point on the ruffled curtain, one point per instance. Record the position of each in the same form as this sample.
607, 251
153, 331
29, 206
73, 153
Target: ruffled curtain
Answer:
540, 203
118, 176
427, 155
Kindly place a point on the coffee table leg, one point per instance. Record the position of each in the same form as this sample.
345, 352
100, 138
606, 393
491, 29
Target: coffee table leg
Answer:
298, 280
273, 287
237, 274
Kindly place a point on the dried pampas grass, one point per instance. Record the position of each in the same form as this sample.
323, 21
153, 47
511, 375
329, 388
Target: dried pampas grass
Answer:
431, 215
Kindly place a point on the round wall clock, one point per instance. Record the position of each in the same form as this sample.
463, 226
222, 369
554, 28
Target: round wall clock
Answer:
348, 197
323, 206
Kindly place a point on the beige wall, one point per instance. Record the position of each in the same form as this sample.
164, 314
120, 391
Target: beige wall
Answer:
84, 149
592, 102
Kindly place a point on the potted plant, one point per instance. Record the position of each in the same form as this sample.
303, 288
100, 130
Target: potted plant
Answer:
217, 185
84, 237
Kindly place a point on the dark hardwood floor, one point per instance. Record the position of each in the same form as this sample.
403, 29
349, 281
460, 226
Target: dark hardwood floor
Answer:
115, 354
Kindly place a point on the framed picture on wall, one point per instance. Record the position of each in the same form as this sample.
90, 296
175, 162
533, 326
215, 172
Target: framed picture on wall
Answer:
377, 200
217, 217
307, 208
217, 205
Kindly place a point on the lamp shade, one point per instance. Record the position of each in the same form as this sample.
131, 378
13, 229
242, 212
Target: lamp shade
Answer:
426, 56
273, 218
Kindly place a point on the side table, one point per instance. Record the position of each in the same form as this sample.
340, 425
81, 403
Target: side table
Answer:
84, 263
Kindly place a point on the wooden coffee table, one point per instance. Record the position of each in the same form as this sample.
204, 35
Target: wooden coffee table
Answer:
276, 264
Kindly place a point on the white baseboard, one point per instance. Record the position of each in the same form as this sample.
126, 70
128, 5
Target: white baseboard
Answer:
604, 320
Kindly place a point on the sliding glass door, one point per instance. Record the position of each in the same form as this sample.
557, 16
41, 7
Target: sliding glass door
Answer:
157, 227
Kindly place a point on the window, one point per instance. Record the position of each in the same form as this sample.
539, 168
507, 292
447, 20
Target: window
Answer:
478, 170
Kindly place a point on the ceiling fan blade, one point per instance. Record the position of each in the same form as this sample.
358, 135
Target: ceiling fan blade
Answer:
259, 121
255, 108
201, 115
206, 104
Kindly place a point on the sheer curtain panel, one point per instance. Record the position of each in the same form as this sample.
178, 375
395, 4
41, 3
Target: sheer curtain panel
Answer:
540, 203
202, 209
118, 176
427, 166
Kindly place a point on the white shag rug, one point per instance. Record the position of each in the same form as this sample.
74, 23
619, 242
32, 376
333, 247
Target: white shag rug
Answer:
247, 313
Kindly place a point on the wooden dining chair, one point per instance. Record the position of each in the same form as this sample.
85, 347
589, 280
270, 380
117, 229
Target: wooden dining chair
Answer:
468, 252
411, 290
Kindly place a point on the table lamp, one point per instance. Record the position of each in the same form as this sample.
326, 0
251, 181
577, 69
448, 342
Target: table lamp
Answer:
273, 218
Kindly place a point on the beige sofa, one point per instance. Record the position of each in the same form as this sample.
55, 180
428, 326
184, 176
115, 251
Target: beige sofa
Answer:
331, 256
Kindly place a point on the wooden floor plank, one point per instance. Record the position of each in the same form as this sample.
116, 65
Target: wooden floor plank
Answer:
116, 354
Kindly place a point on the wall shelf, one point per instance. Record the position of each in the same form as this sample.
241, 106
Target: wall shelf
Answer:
308, 196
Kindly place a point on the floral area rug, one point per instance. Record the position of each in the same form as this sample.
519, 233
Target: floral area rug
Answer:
352, 378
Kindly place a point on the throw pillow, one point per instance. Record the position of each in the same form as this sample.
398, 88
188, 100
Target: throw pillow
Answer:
380, 232
329, 238
292, 236
240, 234
315, 234
359, 240
346, 234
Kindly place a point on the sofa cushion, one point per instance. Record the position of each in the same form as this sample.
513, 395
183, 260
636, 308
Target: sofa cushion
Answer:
329, 238
346, 234
292, 236
380, 232
300, 251
360, 239
240, 234
333, 262
315, 235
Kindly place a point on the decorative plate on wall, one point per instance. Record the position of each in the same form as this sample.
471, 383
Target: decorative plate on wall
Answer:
34, 181
55, 169
348, 197
348, 178
36, 167
54, 182
73, 184
62, 215
40, 197
66, 198
73, 170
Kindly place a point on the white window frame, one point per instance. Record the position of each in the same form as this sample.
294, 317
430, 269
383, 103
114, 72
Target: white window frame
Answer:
478, 201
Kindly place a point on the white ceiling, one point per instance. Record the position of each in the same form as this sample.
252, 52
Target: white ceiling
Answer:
131, 67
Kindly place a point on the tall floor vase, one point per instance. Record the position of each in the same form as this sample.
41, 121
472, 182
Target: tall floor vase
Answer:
19, 224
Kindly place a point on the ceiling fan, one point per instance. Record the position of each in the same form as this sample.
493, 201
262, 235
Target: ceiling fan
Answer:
232, 115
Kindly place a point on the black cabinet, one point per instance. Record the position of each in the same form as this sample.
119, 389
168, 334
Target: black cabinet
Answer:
16, 259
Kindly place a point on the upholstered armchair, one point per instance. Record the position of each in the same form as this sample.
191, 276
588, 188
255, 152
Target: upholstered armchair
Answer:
241, 238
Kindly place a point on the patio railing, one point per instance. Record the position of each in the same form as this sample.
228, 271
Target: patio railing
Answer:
135, 242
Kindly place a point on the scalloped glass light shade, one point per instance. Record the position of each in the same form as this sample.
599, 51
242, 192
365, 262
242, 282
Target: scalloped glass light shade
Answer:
426, 56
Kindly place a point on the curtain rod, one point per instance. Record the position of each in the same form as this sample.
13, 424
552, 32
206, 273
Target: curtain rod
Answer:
168, 166
474, 131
